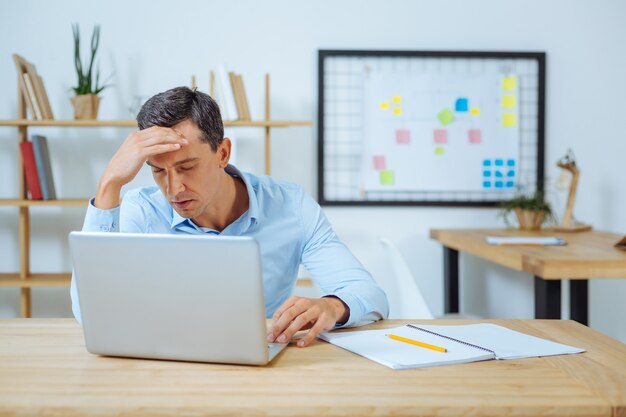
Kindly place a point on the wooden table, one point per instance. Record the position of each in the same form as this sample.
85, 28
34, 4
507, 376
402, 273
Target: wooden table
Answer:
45, 370
587, 255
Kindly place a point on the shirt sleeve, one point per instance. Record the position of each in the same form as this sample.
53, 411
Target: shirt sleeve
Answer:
98, 220
336, 271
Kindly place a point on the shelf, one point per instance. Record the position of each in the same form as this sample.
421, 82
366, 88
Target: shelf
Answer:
62, 279
69, 202
133, 123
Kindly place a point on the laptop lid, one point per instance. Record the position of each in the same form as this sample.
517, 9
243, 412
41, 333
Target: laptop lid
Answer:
179, 297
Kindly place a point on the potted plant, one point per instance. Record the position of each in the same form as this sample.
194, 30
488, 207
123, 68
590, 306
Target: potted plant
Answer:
531, 210
86, 101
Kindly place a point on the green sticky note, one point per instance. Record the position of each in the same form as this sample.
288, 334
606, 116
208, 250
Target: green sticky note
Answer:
439, 150
386, 177
445, 116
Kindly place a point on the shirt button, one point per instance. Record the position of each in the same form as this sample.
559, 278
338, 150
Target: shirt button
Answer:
104, 228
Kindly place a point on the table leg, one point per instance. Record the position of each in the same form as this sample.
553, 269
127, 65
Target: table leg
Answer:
579, 301
547, 298
450, 280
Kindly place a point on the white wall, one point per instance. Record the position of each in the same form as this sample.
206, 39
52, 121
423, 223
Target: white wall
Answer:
151, 46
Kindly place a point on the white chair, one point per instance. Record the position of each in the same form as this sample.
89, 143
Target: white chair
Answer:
406, 300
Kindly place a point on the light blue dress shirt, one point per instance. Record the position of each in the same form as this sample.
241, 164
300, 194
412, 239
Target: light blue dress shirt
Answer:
290, 228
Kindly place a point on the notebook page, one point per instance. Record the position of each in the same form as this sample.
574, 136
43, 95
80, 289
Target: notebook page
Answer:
376, 346
506, 343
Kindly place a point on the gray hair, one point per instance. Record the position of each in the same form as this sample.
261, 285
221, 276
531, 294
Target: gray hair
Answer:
179, 104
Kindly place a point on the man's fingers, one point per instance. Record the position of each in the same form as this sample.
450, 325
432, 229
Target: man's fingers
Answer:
320, 325
159, 149
298, 323
284, 320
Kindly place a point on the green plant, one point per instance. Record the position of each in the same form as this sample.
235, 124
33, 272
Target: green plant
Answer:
86, 84
530, 202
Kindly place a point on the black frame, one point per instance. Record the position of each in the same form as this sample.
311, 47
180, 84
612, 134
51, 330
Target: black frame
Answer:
541, 108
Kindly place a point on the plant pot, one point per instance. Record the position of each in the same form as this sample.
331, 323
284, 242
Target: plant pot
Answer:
86, 106
529, 219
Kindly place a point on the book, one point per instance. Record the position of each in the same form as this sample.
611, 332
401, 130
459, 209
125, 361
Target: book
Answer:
244, 98
30, 170
227, 95
32, 96
525, 241
236, 94
44, 168
464, 343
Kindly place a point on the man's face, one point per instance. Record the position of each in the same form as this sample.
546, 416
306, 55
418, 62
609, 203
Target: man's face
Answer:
191, 177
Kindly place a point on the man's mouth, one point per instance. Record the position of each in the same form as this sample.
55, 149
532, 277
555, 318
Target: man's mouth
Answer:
182, 204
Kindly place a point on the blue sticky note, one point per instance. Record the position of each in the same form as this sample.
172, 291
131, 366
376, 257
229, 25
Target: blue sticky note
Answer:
510, 162
499, 162
486, 173
499, 184
511, 173
510, 184
462, 104
487, 163
486, 184
499, 174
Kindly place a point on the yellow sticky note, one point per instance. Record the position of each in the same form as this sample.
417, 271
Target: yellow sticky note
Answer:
384, 105
397, 99
509, 83
508, 102
397, 111
508, 120
475, 111
386, 177
439, 150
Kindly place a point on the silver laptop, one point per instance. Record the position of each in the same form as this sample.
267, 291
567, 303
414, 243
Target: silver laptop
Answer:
177, 297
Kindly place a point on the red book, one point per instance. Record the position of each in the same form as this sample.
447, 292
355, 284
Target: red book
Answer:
30, 170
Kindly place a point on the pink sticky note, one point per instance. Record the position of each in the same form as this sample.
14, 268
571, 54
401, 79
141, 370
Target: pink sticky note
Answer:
379, 162
474, 136
440, 136
403, 136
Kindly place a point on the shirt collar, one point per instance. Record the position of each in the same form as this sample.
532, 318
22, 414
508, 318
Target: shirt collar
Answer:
253, 204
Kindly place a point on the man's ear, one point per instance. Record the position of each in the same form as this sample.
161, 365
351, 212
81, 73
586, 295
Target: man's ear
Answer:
223, 150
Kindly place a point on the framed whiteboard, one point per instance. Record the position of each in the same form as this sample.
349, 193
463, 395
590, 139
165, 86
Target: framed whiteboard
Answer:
429, 127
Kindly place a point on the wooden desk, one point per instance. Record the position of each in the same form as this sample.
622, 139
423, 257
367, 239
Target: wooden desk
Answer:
45, 370
587, 255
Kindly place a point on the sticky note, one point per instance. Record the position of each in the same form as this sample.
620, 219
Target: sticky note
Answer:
379, 162
386, 177
508, 101
487, 163
384, 105
440, 136
474, 136
486, 173
397, 111
461, 104
486, 184
499, 184
509, 83
508, 120
499, 162
511, 173
439, 150
397, 99
510, 184
445, 116
499, 174
403, 136
475, 111
510, 162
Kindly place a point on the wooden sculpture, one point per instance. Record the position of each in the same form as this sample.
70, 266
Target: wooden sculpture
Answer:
568, 224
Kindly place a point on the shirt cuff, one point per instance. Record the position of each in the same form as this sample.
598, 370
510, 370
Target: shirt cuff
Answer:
98, 220
355, 309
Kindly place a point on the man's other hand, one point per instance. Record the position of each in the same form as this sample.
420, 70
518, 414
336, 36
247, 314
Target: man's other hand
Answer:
299, 313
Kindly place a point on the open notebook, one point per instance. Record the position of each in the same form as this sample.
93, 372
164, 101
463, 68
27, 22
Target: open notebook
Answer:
464, 343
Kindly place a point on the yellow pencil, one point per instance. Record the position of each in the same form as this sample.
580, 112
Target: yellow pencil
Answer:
416, 343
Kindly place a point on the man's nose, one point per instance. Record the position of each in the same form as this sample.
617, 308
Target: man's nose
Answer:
174, 184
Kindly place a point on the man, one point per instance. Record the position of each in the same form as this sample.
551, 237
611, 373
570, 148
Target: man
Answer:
181, 138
